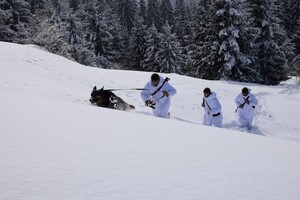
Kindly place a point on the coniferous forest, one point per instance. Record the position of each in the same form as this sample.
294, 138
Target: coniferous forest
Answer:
254, 41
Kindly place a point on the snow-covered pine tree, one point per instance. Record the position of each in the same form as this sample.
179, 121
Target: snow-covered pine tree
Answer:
152, 61
78, 50
142, 10
292, 22
167, 12
153, 15
202, 49
74, 26
126, 9
170, 53
50, 34
179, 10
232, 63
181, 24
292, 14
270, 57
117, 45
295, 63
46, 27
98, 32
15, 18
36, 6
296, 38
191, 10
57, 7
295, 68
115, 49
280, 33
221, 49
137, 46
74, 5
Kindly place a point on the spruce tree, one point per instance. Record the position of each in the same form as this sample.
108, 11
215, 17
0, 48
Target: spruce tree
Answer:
281, 35
103, 34
57, 7
180, 19
270, 57
137, 47
153, 15
296, 37
74, 5
126, 9
202, 50
142, 11
233, 64
152, 61
182, 22
167, 13
220, 43
15, 18
47, 28
292, 15
50, 34
170, 53
292, 22
75, 33
36, 6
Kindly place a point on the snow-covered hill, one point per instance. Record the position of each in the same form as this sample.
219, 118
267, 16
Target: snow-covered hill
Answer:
55, 145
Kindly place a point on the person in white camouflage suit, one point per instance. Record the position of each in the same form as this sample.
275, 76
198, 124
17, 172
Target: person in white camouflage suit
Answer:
157, 94
212, 108
246, 103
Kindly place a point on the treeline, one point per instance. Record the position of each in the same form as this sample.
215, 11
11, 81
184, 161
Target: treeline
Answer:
243, 40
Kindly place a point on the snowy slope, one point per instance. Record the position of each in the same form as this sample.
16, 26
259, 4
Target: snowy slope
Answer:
55, 145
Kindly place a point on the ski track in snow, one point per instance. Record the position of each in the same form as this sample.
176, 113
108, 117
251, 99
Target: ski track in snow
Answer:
290, 90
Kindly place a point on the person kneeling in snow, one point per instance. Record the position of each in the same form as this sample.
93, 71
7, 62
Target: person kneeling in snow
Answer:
246, 103
212, 107
157, 95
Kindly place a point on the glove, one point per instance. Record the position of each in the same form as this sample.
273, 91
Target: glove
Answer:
165, 93
149, 103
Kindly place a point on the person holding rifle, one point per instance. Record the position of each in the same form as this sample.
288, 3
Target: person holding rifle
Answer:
157, 95
246, 103
212, 109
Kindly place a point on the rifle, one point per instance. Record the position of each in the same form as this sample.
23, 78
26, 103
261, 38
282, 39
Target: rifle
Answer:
203, 103
150, 102
242, 105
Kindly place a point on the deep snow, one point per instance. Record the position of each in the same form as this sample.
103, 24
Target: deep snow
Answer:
55, 145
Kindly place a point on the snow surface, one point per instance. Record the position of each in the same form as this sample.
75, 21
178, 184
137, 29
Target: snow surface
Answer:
54, 145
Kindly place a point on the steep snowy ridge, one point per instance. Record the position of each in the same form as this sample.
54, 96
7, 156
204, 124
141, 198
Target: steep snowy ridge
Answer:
55, 145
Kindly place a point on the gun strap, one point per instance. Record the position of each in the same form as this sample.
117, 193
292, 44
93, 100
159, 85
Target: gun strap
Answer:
208, 105
166, 80
245, 100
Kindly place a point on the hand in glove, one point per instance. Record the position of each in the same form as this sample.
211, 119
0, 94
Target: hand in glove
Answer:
165, 93
149, 103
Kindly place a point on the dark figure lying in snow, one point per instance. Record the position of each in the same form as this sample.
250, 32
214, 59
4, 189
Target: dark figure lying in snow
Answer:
107, 99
